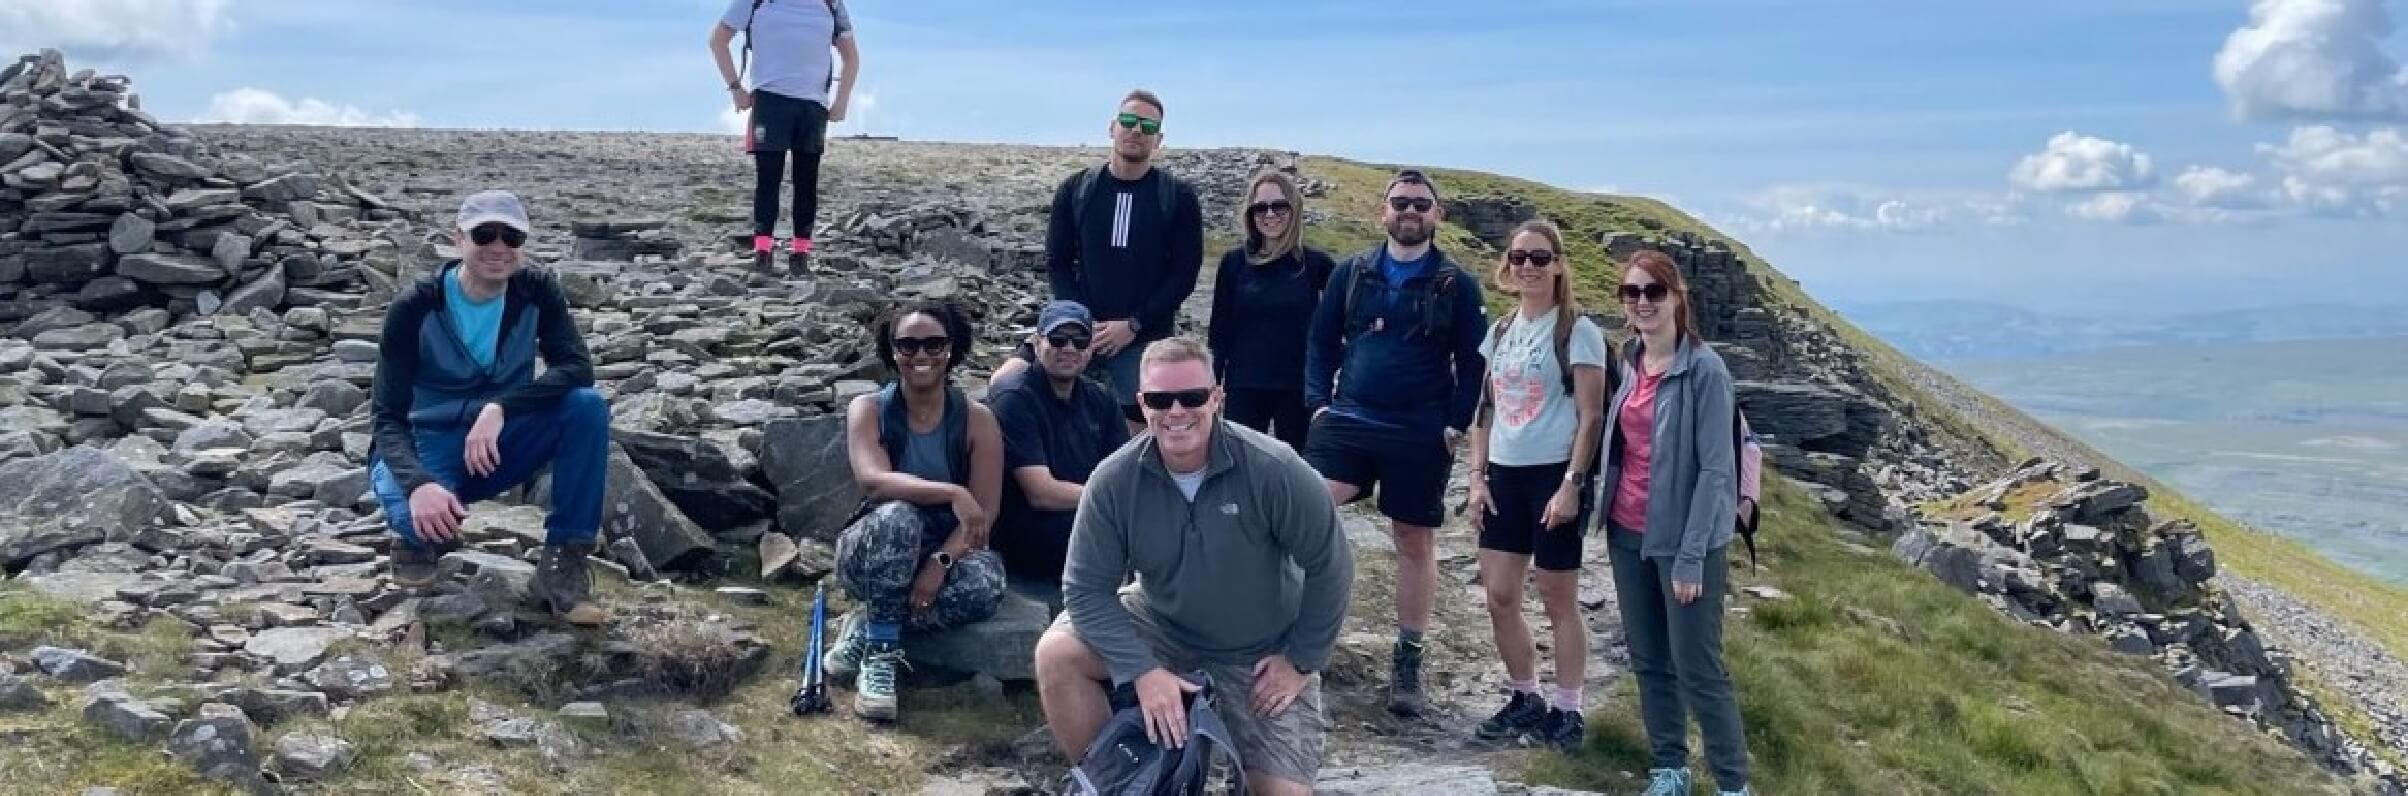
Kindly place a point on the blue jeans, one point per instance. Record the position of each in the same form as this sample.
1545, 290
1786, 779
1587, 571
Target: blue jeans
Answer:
572, 437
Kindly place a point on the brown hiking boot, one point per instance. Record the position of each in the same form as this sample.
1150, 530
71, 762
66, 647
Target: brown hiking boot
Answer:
415, 567
565, 585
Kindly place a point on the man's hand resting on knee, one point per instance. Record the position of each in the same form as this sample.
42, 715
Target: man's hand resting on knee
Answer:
1161, 696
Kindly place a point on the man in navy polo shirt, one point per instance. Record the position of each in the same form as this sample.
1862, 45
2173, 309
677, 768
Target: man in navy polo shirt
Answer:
1056, 426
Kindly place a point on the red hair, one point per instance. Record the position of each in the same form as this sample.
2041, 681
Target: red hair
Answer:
1661, 267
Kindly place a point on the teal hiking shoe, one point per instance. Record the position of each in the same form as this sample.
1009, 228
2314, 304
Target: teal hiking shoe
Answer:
843, 659
874, 694
1667, 782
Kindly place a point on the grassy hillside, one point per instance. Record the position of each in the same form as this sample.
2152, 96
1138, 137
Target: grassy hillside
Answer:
2378, 608
1985, 440
1872, 677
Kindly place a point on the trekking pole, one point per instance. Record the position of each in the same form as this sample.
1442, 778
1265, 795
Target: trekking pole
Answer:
812, 696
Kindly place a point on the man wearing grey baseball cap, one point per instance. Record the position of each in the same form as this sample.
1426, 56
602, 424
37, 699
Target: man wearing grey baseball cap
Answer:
462, 416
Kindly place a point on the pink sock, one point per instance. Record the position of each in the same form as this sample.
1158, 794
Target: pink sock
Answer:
1523, 686
1567, 698
802, 245
762, 243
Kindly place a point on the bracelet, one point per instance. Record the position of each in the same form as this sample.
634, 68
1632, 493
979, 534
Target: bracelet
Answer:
736, 84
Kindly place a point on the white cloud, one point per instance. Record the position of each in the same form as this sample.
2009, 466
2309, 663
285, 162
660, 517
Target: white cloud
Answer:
2074, 162
259, 106
859, 114
2116, 207
1808, 207
731, 121
2333, 172
106, 29
2209, 186
2316, 59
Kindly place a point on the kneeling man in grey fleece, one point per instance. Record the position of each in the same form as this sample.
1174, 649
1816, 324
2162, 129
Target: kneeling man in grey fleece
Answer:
1242, 573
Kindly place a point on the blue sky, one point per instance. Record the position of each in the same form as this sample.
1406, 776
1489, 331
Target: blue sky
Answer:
2126, 155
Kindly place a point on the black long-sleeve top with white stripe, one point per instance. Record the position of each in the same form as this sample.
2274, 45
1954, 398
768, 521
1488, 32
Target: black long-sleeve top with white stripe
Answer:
1129, 261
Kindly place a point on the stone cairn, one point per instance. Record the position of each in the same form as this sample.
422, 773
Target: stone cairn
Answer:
2089, 559
104, 209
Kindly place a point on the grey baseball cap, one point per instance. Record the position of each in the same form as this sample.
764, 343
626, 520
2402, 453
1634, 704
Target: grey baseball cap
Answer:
1061, 312
491, 206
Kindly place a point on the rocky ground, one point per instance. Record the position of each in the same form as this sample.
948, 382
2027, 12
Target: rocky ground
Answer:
2370, 677
186, 336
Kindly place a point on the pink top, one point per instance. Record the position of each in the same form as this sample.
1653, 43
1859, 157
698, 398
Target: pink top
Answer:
1637, 421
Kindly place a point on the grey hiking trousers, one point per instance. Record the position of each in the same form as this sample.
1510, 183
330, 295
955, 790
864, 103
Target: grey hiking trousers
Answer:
1676, 651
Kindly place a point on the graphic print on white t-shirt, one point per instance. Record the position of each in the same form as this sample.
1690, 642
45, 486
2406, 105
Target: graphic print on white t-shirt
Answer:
1523, 371
1123, 204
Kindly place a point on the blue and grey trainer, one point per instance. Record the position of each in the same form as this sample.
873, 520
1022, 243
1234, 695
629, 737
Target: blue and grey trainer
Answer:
874, 693
843, 658
1667, 782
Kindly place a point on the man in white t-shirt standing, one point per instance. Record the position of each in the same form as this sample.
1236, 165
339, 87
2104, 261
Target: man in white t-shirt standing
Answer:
791, 103
1534, 445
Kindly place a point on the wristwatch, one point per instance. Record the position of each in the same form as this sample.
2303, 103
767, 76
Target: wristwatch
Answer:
943, 559
1576, 478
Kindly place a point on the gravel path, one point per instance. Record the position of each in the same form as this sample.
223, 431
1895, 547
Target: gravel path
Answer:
2373, 679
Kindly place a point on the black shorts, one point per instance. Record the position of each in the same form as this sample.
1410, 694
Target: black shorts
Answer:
1407, 466
781, 123
1521, 495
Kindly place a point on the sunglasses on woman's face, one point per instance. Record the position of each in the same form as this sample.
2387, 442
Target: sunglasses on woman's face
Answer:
1653, 292
910, 346
1161, 401
1275, 207
1537, 257
485, 234
1140, 124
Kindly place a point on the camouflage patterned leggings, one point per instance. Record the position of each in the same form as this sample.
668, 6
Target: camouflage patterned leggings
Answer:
879, 556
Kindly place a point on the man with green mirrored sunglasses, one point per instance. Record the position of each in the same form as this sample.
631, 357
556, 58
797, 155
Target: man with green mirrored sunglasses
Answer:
1126, 240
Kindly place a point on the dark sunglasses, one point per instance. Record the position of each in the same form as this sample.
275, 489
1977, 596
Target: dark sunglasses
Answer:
908, 346
1279, 206
1161, 401
1414, 203
1140, 123
484, 234
1655, 292
1074, 342
1538, 257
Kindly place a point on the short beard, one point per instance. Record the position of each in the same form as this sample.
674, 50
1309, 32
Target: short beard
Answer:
1418, 234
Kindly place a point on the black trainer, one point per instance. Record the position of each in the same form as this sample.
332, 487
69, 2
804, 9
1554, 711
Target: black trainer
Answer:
1563, 729
1521, 714
1404, 685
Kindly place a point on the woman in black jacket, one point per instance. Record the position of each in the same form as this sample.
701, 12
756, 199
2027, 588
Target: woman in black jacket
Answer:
1262, 299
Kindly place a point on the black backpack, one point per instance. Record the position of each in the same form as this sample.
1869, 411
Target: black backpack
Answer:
1438, 313
1166, 194
1121, 761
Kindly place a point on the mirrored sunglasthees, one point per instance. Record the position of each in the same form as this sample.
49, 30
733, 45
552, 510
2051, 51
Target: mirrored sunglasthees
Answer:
486, 234
1140, 123
1161, 401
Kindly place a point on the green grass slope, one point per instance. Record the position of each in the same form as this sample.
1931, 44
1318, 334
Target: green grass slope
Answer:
1874, 678
1985, 441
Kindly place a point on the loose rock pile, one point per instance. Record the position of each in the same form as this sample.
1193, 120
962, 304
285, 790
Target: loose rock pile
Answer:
2088, 559
110, 210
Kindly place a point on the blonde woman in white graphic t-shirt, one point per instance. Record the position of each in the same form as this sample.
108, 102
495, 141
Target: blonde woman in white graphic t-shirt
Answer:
1533, 449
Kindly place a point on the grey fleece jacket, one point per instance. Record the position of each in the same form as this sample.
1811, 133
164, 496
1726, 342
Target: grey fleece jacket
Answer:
1692, 492
1256, 565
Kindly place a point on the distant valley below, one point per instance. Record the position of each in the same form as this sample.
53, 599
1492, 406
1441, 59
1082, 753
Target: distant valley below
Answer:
2305, 438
